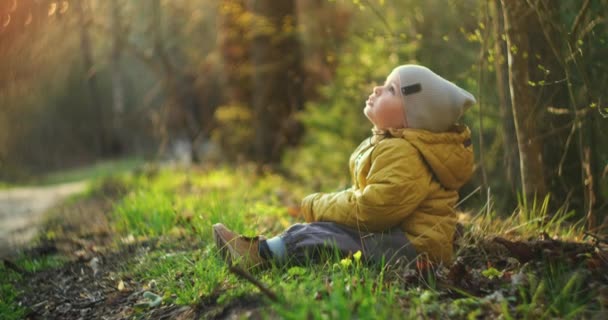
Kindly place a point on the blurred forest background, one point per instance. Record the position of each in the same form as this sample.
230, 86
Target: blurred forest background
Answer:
283, 84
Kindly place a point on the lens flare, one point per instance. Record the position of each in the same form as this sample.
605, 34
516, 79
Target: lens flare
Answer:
13, 6
52, 8
64, 7
6, 20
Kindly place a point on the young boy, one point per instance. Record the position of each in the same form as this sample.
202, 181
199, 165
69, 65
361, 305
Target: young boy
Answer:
405, 178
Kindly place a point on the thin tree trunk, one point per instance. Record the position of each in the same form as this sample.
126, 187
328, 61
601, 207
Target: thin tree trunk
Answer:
118, 101
89, 67
517, 19
510, 153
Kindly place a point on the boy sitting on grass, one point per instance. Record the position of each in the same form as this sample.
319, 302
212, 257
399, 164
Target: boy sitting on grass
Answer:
405, 178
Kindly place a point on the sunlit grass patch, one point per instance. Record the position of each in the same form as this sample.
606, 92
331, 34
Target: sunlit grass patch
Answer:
528, 220
181, 277
194, 200
96, 171
338, 289
145, 213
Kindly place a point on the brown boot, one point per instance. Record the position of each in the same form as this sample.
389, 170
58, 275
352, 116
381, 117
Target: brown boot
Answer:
238, 249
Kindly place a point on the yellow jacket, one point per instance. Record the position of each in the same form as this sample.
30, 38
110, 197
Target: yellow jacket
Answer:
408, 178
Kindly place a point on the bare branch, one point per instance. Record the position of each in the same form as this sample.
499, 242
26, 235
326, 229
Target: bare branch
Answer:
579, 18
480, 79
247, 276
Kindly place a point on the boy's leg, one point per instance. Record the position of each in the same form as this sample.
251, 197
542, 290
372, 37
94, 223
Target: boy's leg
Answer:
390, 248
308, 241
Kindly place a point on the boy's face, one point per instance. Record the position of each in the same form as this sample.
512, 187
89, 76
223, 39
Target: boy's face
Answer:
384, 107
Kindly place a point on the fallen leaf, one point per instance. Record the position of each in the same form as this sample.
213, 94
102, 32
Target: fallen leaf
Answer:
121, 286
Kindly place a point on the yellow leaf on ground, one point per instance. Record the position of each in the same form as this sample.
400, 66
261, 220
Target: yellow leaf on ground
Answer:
121, 286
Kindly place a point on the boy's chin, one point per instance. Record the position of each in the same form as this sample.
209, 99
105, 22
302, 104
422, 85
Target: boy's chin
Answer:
367, 115
372, 123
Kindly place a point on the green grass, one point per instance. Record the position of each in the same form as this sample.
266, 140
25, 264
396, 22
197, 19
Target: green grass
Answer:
41, 263
529, 220
336, 290
96, 171
184, 276
9, 306
177, 205
179, 201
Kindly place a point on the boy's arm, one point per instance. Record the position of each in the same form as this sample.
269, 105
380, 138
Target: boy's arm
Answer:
397, 182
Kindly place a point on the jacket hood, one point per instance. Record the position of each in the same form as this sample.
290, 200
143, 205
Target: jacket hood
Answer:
448, 154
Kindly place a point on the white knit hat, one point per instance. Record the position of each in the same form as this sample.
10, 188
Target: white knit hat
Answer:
431, 102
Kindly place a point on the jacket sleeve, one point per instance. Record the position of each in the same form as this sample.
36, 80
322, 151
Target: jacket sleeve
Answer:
397, 182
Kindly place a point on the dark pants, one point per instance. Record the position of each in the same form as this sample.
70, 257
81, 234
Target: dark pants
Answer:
310, 241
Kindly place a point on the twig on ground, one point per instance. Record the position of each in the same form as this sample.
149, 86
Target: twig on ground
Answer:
247, 276
596, 237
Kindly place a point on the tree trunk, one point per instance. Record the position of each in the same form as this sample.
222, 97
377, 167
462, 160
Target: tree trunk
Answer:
277, 78
181, 110
118, 100
502, 86
90, 73
518, 20
235, 51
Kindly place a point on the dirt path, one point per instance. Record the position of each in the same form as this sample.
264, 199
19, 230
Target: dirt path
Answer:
22, 209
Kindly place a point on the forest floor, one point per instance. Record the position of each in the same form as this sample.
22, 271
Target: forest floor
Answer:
121, 251
73, 273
